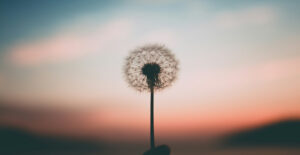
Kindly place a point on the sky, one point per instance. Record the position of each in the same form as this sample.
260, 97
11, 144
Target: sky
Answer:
61, 65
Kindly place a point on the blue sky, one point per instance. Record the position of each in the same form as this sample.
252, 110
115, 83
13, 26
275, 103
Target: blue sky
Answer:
241, 55
243, 26
33, 17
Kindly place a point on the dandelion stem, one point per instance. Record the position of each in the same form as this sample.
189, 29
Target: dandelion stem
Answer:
152, 119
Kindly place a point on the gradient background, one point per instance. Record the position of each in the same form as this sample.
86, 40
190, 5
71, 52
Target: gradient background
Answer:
61, 68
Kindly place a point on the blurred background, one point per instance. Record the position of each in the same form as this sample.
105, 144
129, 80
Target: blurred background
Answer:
62, 88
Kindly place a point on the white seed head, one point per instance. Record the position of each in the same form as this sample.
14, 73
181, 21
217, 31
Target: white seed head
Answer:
151, 55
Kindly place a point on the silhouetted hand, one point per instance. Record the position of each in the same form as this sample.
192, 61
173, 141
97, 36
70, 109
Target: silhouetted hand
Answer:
160, 150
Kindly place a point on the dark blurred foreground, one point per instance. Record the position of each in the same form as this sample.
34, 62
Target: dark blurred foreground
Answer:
281, 138
159, 150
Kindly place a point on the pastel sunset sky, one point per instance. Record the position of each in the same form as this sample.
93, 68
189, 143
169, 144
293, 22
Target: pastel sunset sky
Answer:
61, 65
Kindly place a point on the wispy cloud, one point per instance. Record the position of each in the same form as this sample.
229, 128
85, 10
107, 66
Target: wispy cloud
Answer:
247, 76
246, 17
50, 119
165, 36
70, 43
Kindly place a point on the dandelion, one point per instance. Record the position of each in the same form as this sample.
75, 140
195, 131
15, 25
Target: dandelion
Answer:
151, 68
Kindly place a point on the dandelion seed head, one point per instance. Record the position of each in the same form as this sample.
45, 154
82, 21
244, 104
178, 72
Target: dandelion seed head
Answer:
151, 65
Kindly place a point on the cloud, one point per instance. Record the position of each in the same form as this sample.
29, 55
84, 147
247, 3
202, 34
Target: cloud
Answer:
165, 36
50, 119
43, 117
245, 17
244, 77
71, 42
